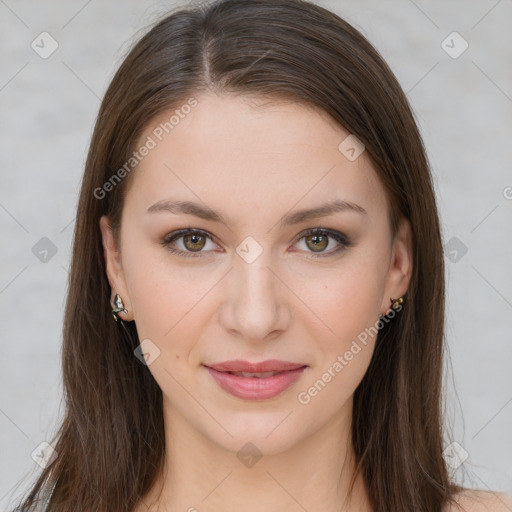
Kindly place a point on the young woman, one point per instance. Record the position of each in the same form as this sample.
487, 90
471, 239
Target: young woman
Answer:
256, 299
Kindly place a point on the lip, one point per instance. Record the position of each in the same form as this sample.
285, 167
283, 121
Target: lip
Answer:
270, 365
255, 388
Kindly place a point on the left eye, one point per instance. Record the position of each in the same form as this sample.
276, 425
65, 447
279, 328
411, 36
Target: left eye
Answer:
319, 239
194, 240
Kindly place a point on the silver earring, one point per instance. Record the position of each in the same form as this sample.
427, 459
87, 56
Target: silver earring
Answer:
118, 307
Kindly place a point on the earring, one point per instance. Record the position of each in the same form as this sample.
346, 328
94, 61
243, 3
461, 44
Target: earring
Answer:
396, 302
118, 307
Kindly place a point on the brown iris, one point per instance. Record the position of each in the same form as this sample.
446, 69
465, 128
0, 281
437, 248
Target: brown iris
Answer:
320, 242
197, 241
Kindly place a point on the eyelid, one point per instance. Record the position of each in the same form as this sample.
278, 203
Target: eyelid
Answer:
342, 239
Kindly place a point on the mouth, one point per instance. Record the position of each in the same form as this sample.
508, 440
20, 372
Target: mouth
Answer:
249, 384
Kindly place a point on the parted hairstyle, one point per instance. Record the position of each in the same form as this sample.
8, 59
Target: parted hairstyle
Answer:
111, 442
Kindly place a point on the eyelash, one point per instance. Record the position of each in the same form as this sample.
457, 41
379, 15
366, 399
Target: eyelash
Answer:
342, 239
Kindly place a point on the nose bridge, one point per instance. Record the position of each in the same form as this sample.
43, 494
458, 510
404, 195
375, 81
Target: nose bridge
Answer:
255, 280
255, 296
251, 268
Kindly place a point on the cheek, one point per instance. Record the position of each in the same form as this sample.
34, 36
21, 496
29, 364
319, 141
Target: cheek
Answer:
161, 293
346, 299
348, 307
167, 306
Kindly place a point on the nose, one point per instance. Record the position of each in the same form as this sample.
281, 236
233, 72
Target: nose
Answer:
255, 307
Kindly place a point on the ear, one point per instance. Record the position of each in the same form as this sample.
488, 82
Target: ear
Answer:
115, 274
400, 269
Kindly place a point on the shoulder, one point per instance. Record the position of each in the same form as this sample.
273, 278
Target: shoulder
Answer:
471, 500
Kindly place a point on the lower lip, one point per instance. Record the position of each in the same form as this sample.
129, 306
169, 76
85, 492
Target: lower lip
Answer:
254, 388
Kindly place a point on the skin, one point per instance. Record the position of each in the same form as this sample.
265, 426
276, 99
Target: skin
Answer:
255, 161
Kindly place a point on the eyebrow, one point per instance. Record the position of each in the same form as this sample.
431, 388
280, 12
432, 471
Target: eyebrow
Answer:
289, 219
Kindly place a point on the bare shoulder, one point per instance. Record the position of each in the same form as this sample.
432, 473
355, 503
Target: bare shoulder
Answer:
471, 500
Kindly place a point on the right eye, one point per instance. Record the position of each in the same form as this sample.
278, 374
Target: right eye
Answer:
192, 240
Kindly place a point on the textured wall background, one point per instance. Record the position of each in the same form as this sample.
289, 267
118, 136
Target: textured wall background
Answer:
462, 97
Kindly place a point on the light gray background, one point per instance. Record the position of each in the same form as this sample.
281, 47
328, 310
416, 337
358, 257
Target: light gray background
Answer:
463, 106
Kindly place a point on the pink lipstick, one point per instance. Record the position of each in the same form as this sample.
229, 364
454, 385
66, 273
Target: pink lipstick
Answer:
255, 381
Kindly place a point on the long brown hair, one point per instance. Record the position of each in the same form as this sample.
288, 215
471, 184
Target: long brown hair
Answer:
111, 444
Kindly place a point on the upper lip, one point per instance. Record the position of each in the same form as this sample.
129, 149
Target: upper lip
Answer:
271, 365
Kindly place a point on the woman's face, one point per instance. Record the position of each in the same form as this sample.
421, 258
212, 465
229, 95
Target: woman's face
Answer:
253, 284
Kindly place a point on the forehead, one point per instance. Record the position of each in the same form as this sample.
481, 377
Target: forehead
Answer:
253, 153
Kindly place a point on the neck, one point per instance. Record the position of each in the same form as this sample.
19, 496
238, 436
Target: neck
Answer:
201, 476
